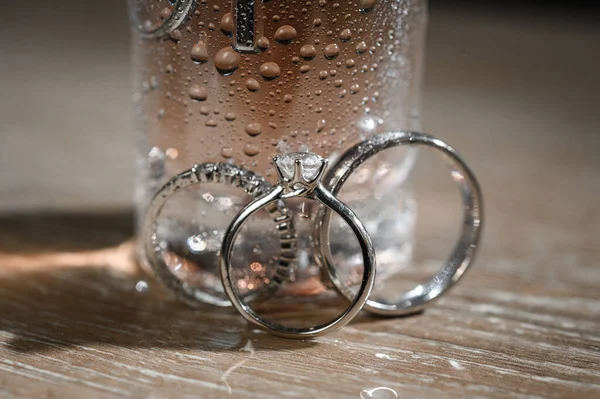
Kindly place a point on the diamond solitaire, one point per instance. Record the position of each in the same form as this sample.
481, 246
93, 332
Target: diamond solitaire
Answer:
299, 172
309, 162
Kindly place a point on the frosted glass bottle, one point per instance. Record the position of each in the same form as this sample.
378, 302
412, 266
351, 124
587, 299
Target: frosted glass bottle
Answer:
238, 82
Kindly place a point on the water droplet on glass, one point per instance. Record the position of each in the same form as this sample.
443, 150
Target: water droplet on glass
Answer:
172, 153
253, 129
321, 125
308, 51
230, 116
252, 84
361, 47
165, 13
366, 5
285, 34
199, 52
198, 93
263, 43
175, 35
227, 61
317, 22
141, 286
332, 51
269, 70
251, 150
368, 124
350, 63
211, 123
346, 34
156, 162
226, 24
288, 98
227, 152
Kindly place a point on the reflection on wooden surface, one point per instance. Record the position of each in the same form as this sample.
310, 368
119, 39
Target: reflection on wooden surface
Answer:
77, 322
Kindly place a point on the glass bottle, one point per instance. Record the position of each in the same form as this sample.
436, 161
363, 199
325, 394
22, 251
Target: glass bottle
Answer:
240, 81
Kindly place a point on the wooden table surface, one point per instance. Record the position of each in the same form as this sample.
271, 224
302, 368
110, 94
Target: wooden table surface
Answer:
518, 97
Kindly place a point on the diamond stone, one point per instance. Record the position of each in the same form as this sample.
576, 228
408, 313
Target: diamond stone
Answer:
310, 164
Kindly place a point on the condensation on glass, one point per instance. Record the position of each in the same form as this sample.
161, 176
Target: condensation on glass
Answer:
240, 81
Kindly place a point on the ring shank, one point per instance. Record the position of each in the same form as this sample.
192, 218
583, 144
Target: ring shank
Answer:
233, 176
358, 300
462, 254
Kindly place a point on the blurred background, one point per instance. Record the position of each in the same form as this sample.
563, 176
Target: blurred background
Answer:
513, 77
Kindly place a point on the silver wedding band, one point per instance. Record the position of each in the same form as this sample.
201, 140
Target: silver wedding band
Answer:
233, 176
464, 251
301, 178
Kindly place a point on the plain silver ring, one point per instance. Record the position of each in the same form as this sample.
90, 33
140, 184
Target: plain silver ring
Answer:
252, 184
464, 251
301, 179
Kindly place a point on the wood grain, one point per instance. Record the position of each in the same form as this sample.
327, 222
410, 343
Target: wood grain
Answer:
76, 329
524, 323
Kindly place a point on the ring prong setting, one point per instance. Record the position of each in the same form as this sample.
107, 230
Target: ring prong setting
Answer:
299, 172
